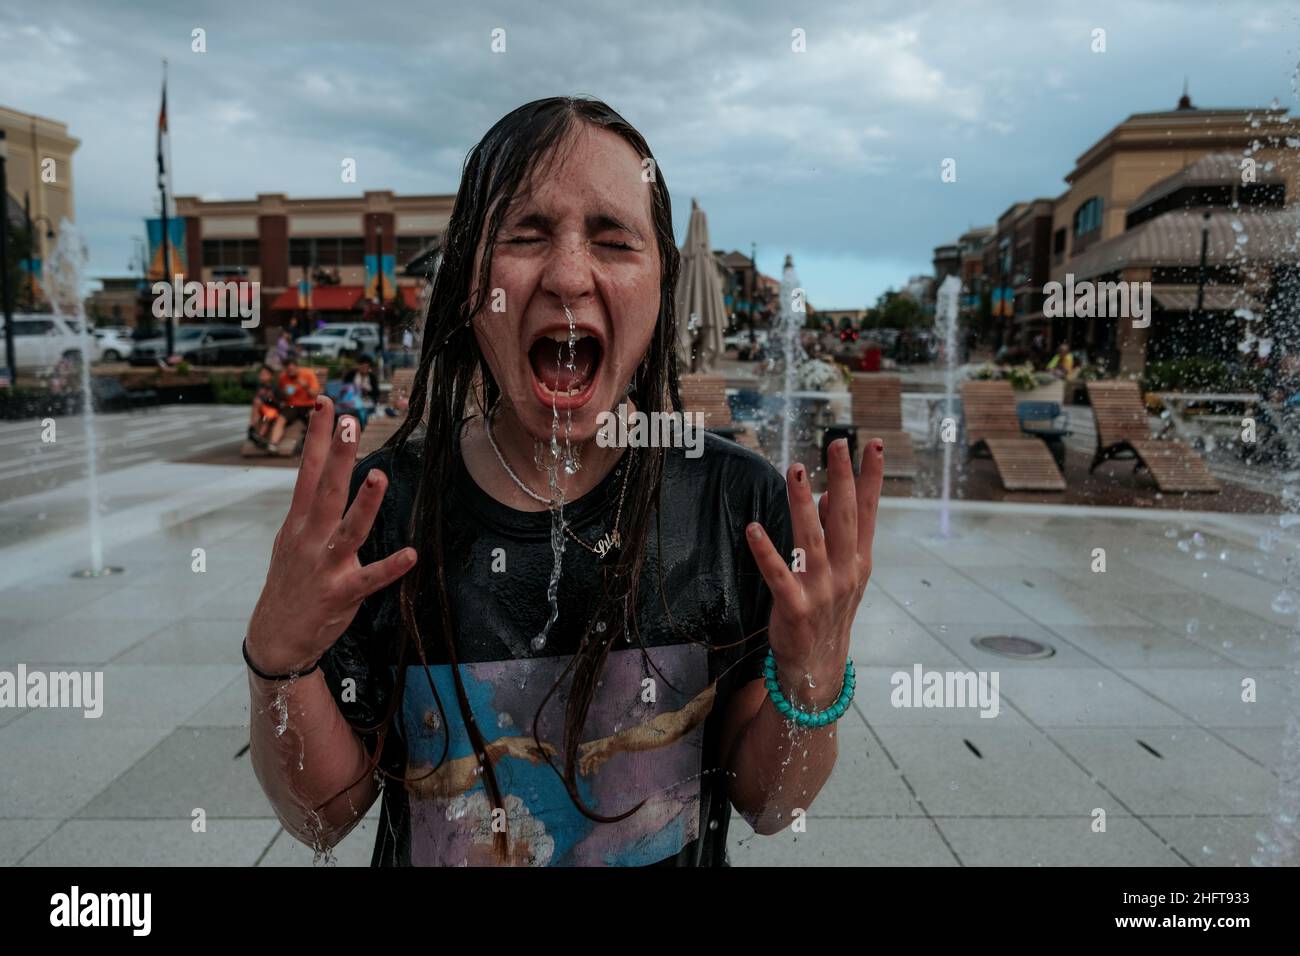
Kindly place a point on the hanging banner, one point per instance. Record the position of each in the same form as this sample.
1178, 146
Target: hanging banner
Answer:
175, 246
389, 264
32, 277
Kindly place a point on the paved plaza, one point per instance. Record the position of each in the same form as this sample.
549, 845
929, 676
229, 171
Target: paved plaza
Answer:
1139, 712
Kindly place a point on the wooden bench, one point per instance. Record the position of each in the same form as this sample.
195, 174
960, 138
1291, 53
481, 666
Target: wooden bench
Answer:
877, 403
1123, 433
708, 394
993, 428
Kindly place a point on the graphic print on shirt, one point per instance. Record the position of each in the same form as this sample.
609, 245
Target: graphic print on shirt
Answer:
637, 737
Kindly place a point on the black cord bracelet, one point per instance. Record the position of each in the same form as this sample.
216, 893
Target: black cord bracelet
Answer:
273, 677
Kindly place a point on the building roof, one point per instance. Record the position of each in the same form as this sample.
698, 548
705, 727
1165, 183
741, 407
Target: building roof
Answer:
1189, 128
1174, 239
1218, 298
733, 259
1217, 169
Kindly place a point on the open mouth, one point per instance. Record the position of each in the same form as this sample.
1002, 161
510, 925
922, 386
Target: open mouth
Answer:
562, 379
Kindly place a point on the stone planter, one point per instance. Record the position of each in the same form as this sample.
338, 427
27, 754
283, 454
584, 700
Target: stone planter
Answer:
1051, 392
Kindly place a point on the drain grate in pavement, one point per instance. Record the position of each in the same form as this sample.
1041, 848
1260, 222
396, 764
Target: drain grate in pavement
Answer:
1008, 645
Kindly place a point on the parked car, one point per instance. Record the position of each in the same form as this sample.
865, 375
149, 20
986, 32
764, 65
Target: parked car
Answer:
114, 343
40, 341
201, 345
340, 338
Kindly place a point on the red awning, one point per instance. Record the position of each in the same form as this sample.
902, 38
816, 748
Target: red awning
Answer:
337, 298
324, 298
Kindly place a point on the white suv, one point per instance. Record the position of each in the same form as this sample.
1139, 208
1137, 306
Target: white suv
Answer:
40, 341
340, 338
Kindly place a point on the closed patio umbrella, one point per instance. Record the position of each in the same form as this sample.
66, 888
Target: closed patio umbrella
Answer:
701, 314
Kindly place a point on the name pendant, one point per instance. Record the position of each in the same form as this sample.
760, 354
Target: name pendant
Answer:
608, 542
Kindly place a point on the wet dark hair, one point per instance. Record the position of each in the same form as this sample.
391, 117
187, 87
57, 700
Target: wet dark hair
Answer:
452, 372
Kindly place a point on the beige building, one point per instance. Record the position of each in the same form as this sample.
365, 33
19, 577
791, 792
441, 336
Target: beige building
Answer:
38, 173
1120, 174
278, 242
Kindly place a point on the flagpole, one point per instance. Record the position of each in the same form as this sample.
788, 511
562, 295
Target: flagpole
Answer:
166, 244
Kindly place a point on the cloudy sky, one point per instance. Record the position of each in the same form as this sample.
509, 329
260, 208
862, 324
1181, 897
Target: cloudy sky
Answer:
832, 155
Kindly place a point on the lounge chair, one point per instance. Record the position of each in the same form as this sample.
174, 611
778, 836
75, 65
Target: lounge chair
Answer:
878, 413
1124, 434
993, 429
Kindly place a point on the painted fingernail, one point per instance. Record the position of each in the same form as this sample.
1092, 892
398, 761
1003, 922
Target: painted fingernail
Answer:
319, 404
755, 531
877, 446
798, 474
372, 477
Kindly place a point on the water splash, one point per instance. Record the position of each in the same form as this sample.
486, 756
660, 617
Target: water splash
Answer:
63, 276
1279, 839
553, 467
946, 312
790, 323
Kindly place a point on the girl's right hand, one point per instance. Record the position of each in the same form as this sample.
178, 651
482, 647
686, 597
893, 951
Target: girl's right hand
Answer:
315, 582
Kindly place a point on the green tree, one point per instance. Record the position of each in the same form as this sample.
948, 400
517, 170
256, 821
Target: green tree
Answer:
894, 310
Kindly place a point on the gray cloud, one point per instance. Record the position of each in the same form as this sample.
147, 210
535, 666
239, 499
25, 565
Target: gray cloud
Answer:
832, 154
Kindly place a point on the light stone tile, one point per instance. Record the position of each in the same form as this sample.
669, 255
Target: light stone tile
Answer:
905, 841
1056, 841
150, 843
1193, 774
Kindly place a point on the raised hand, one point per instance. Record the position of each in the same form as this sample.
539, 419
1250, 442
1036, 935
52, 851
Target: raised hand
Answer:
813, 609
315, 582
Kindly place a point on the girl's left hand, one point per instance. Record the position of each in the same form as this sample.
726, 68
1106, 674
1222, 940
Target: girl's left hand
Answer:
813, 609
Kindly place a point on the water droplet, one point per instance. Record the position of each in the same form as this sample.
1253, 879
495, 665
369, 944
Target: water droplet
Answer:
1284, 603
1193, 625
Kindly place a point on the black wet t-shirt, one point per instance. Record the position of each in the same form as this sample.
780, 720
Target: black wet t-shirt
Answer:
651, 736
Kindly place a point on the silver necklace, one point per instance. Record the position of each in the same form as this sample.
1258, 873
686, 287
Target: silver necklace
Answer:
487, 427
610, 541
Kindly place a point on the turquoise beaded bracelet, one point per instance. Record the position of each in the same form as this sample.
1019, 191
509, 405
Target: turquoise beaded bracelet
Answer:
804, 718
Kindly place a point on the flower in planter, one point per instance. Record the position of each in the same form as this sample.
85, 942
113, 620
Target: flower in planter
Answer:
816, 375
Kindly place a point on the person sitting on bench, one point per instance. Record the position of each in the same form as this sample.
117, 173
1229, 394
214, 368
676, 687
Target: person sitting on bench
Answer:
299, 388
360, 392
266, 409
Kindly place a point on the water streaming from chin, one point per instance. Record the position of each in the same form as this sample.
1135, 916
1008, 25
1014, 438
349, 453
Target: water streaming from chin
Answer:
553, 466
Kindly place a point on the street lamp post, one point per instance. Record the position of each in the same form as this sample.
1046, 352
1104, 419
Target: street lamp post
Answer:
167, 269
379, 284
1200, 275
11, 362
